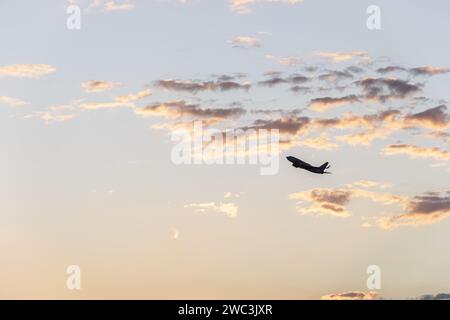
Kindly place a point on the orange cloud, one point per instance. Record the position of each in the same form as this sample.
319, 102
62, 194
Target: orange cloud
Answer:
416, 152
34, 71
352, 295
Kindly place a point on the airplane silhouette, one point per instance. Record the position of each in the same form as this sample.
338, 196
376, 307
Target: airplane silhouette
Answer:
303, 165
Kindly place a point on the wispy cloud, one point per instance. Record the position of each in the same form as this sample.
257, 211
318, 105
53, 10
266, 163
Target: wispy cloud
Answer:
342, 56
420, 210
327, 103
352, 295
116, 6
243, 6
105, 105
245, 42
99, 85
193, 86
14, 102
134, 96
323, 202
416, 152
229, 209
175, 109
34, 71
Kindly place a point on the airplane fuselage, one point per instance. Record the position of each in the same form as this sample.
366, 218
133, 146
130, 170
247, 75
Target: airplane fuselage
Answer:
297, 163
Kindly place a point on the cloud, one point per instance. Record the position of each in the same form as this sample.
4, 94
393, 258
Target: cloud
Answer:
420, 210
438, 296
416, 152
445, 136
175, 234
428, 71
384, 89
323, 202
368, 121
292, 125
336, 76
229, 195
322, 143
245, 42
417, 71
327, 103
334, 202
365, 138
352, 295
390, 69
242, 6
276, 79
300, 89
196, 86
378, 197
435, 118
272, 112
105, 105
34, 71
175, 109
51, 116
375, 126
371, 184
378, 125
284, 61
98, 85
342, 56
14, 102
134, 97
429, 208
229, 209
111, 5
114, 6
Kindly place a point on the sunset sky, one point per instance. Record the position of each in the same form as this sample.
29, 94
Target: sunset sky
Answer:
87, 178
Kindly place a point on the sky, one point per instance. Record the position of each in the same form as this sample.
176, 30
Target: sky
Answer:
87, 118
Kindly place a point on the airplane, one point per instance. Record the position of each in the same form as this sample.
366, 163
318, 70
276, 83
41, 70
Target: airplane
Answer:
303, 165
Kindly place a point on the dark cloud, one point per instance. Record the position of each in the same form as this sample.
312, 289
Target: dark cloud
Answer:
384, 89
298, 79
335, 76
436, 117
272, 82
196, 86
300, 89
325, 103
420, 210
417, 71
310, 68
287, 125
414, 151
284, 112
390, 69
429, 204
181, 108
428, 71
229, 77
369, 120
277, 79
351, 295
354, 69
338, 197
439, 296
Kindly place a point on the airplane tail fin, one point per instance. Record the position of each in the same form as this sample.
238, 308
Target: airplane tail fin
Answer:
324, 166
